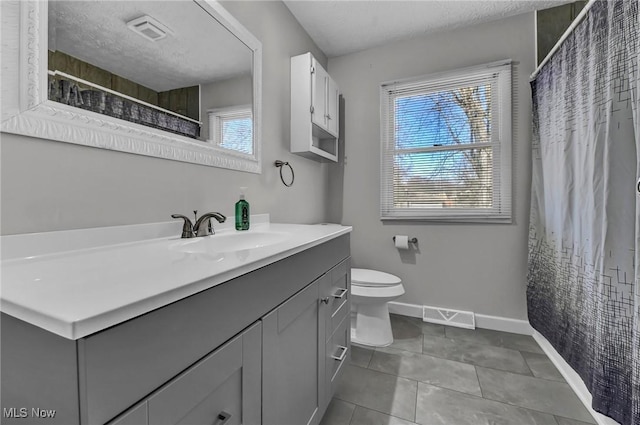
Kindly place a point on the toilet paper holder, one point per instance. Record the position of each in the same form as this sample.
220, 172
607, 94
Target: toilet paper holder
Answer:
412, 240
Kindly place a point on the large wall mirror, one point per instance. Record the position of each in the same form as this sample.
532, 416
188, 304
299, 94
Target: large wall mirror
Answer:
178, 80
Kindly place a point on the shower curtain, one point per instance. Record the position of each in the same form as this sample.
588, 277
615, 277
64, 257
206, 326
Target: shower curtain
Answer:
583, 277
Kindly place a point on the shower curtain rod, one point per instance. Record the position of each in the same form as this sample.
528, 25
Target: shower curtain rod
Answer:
569, 30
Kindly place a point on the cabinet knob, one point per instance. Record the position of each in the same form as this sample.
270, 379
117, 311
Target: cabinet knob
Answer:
325, 300
328, 116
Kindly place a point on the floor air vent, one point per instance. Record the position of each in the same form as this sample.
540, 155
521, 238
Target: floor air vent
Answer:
444, 316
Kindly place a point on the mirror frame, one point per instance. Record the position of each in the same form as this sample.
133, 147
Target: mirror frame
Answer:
27, 111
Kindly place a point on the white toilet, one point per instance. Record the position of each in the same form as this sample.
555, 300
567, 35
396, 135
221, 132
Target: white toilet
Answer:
371, 290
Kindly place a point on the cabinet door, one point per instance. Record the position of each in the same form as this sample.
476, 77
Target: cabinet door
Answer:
319, 83
223, 388
333, 107
292, 352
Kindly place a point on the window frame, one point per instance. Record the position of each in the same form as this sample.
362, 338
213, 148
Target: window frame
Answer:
501, 212
217, 116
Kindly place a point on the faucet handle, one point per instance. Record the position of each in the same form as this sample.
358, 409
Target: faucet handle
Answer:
187, 227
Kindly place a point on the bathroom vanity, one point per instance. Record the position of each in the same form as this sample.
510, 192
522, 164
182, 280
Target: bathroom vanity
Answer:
256, 333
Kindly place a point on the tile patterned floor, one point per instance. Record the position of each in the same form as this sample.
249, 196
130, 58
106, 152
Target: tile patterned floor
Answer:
440, 375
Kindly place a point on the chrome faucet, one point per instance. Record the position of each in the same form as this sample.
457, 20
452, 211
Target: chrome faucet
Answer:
202, 226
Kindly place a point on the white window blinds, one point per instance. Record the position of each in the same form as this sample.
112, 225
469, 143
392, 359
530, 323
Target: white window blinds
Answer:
232, 129
446, 146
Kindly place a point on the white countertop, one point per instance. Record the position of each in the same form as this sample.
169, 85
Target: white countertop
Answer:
74, 293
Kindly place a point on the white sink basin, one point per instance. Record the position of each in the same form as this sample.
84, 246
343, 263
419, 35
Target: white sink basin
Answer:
229, 242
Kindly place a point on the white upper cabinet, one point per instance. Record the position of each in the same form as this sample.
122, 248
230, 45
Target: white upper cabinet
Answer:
333, 106
319, 78
315, 110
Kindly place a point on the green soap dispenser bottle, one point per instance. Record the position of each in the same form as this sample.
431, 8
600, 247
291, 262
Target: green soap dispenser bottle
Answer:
242, 212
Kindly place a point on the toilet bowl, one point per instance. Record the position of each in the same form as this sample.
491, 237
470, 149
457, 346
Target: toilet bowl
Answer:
371, 290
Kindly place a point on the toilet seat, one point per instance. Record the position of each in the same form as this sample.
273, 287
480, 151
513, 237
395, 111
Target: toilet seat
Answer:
373, 278
377, 292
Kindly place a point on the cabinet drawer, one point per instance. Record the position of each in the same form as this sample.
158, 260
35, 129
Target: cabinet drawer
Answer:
337, 317
215, 389
223, 406
219, 372
337, 355
337, 291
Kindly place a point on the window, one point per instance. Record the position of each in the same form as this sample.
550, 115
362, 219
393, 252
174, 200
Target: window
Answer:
232, 129
446, 146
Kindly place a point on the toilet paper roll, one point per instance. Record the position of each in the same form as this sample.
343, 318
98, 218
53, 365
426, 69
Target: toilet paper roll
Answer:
402, 241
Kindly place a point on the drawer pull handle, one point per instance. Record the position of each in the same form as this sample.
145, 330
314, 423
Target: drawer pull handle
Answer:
342, 355
340, 293
223, 417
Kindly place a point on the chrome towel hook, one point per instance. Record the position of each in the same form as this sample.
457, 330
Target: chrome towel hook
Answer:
281, 165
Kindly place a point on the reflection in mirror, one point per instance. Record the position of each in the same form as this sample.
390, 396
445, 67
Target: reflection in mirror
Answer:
161, 64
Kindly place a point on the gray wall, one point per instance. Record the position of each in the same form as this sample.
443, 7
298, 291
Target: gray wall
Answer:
49, 185
224, 94
477, 267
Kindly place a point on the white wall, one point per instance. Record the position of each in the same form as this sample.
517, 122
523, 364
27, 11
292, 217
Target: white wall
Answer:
49, 185
476, 267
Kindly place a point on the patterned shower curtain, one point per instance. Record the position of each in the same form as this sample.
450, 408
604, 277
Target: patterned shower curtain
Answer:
583, 290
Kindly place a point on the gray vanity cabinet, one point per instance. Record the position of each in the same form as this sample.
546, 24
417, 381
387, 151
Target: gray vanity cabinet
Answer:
224, 387
254, 347
137, 415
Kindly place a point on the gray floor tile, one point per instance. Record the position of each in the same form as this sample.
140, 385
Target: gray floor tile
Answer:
379, 387
539, 394
567, 421
477, 354
360, 356
338, 413
363, 416
500, 339
407, 333
411, 324
379, 391
438, 406
408, 344
542, 367
432, 370
432, 329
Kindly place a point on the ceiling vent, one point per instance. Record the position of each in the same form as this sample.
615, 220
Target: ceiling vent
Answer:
149, 28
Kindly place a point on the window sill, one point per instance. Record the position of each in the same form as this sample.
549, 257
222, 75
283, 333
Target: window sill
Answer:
452, 219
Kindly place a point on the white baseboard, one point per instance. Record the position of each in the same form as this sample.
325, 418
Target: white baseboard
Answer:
404, 309
504, 324
572, 378
484, 321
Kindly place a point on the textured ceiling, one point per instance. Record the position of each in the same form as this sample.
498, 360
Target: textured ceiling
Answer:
340, 27
199, 51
